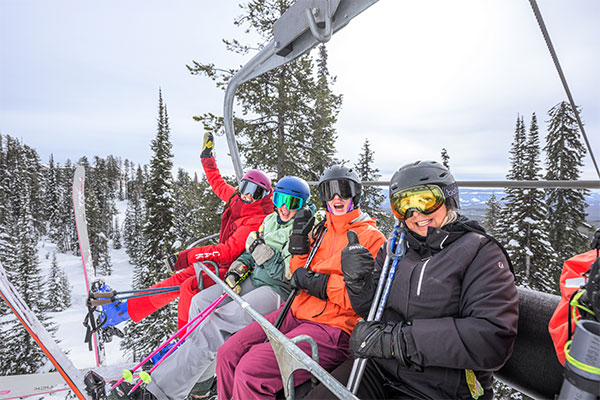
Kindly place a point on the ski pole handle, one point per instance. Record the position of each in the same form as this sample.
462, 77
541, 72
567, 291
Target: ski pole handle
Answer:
294, 293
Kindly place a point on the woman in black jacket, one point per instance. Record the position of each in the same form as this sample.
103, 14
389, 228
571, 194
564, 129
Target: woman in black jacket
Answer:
451, 316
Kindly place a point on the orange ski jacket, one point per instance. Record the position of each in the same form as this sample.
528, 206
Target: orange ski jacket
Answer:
336, 311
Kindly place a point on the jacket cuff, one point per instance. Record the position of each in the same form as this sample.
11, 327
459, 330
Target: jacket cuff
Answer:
209, 163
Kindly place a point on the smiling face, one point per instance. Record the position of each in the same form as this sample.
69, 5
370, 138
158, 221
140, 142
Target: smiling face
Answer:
247, 198
419, 223
286, 214
338, 206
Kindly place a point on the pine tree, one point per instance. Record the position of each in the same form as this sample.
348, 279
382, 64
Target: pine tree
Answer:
52, 197
59, 290
134, 220
564, 159
492, 215
512, 228
372, 197
292, 108
18, 255
445, 158
147, 334
116, 235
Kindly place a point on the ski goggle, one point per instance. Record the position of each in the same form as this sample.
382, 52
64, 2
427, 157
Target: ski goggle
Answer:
251, 188
292, 203
424, 199
344, 188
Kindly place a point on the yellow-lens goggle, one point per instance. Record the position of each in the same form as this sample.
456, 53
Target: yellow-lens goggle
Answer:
424, 199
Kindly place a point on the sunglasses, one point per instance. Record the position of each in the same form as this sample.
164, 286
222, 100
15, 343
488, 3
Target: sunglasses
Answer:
251, 188
424, 199
342, 187
292, 203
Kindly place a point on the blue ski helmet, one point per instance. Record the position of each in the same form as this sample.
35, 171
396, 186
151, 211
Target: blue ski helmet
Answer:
291, 186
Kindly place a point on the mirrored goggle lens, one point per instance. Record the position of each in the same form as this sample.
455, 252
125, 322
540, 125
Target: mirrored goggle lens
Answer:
251, 188
343, 188
424, 199
292, 203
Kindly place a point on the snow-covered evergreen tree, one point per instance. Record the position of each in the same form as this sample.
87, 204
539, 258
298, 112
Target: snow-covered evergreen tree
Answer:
52, 197
143, 337
59, 289
116, 235
513, 226
492, 215
18, 255
372, 196
134, 220
564, 159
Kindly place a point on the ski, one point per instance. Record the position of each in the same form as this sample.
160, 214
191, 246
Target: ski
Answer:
26, 385
84, 248
71, 375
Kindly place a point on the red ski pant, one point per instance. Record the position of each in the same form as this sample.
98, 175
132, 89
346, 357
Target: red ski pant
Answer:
247, 367
139, 308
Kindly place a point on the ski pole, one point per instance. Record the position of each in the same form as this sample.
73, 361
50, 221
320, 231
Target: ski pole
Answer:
379, 301
292, 296
112, 293
107, 300
145, 376
127, 374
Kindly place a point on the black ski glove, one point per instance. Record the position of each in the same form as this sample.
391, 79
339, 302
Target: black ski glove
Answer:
373, 339
235, 274
313, 282
357, 265
207, 146
303, 223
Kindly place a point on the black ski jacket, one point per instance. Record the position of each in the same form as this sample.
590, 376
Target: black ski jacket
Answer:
457, 292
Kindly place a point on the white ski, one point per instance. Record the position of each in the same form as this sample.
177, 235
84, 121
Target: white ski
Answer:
84, 246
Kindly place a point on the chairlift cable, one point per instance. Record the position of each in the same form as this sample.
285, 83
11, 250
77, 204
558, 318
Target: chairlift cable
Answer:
540, 20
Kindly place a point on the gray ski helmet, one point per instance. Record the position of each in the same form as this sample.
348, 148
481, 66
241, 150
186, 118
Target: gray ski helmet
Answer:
423, 173
340, 173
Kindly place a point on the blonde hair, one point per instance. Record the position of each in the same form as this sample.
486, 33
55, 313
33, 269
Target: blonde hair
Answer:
451, 216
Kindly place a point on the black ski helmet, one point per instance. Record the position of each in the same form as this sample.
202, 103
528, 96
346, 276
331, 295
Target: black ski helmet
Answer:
338, 172
423, 173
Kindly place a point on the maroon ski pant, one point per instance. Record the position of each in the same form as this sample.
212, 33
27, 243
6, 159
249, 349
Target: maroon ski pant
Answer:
246, 365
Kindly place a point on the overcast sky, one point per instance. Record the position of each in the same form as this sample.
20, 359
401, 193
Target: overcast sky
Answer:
82, 78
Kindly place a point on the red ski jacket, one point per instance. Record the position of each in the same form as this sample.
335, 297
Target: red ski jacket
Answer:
238, 220
558, 325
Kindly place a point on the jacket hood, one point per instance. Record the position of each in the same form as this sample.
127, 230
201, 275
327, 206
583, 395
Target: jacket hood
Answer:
339, 222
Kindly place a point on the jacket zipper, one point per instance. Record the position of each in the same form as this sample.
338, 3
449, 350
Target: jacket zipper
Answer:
421, 277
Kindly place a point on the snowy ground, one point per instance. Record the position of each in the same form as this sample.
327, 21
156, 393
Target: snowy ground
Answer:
71, 332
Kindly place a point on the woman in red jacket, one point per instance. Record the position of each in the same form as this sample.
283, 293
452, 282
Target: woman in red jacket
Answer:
246, 208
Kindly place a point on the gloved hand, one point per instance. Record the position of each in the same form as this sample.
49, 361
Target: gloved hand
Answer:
115, 312
314, 283
303, 223
372, 339
236, 273
253, 240
207, 146
182, 260
357, 264
170, 262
